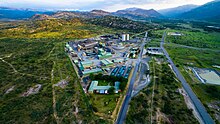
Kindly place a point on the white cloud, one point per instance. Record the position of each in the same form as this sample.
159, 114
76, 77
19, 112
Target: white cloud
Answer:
110, 5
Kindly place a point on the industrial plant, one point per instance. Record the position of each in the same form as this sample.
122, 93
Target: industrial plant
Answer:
105, 54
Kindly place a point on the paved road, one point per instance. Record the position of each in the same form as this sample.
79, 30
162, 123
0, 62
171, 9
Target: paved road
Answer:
124, 107
198, 105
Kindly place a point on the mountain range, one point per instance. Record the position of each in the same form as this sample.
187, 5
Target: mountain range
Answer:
208, 12
14, 13
137, 13
177, 11
132, 13
69, 15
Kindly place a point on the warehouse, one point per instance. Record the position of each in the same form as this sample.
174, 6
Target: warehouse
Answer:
85, 65
86, 45
175, 34
94, 88
155, 51
107, 62
102, 54
92, 71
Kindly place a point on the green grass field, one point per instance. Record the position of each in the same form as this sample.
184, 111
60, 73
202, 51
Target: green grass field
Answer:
104, 103
193, 57
195, 39
153, 43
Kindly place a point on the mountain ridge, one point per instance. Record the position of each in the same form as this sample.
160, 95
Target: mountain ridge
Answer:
137, 13
176, 11
209, 11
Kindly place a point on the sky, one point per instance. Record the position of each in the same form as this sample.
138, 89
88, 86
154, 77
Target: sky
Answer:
107, 5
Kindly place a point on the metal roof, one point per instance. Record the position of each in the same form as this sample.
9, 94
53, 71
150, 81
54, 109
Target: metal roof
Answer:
106, 62
92, 71
94, 86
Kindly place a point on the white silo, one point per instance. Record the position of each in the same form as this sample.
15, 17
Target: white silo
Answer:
127, 37
123, 37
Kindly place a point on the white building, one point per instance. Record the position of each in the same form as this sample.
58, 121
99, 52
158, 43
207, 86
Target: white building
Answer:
125, 37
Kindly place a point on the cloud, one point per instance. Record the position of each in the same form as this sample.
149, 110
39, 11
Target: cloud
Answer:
110, 5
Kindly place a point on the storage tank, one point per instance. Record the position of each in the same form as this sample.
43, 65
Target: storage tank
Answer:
127, 37
123, 37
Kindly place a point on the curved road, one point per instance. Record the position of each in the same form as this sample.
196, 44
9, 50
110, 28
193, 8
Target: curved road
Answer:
198, 105
124, 107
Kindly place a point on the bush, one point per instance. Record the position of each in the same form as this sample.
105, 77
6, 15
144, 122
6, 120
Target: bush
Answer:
111, 90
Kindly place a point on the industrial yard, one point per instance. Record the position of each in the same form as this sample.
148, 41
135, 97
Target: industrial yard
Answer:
108, 54
104, 65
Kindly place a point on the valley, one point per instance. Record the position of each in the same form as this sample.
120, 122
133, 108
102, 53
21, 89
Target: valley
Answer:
130, 66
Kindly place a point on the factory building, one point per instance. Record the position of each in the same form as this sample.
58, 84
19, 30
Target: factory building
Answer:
102, 54
94, 88
92, 71
85, 65
107, 62
86, 45
175, 34
155, 51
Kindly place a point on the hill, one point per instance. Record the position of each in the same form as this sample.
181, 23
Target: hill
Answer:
209, 11
71, 15
137, 13
174, 12
100, 12
40, 17
121, 23
51, 28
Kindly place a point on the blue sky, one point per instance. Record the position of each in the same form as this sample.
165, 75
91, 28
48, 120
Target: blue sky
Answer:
108, 5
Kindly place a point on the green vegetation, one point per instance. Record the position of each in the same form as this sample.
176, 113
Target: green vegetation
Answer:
27, 62
195, 39
123, 24
167, 104
156, 34
53, 28
202, 58
106, 79
107, 105
30, 69
32, 52
104, 104
153, 43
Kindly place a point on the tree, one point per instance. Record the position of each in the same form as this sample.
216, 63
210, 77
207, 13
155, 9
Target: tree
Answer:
111, 90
